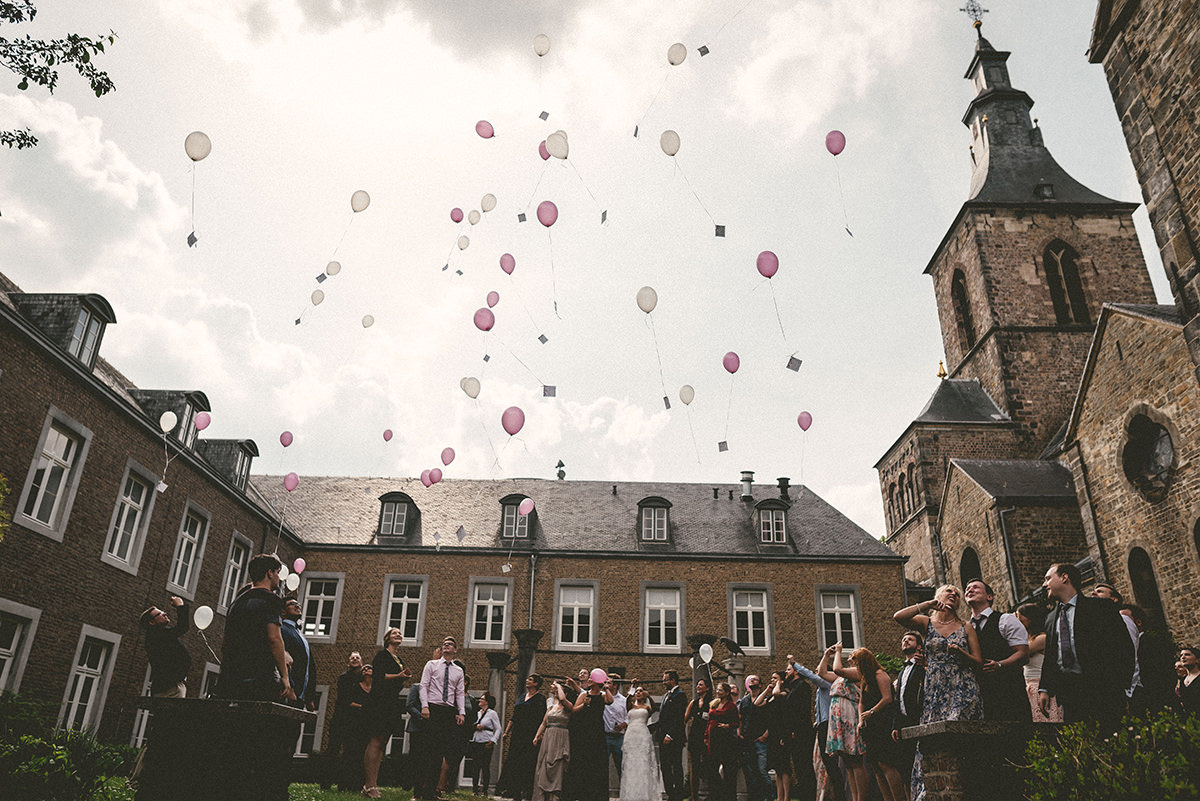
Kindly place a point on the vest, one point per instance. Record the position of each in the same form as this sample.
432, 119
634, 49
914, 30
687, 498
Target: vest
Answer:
1004, 696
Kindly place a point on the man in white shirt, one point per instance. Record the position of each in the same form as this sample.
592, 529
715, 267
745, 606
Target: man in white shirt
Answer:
1005, 645
443, 704
1108, 592
616, 719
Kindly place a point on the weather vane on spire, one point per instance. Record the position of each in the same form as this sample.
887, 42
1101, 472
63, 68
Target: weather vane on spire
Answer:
975, 11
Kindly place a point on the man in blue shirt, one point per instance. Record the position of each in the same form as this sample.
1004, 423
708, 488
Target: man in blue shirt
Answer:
303, 672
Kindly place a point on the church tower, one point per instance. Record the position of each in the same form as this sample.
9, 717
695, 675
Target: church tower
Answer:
1019, 279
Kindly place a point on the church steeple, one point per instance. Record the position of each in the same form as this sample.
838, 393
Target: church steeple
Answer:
1010, 162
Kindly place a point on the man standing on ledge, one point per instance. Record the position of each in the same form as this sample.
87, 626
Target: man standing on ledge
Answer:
253, 659
169, 660
443, 704
1089, 657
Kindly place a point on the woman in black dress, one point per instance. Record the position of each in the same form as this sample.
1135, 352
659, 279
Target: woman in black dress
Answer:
1188, 686
384, 708
357, 732
587, 774
516, 779
696, 721
875, 725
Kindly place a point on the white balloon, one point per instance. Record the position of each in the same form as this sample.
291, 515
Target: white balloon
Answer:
202, 617
556, 145
333, 268
692, 662
197, 145
317, 297
470, 385
473, 217
541, 44
368, 321
687, 394
463, 241
676, 53
167, 421
488, 203
669, 142
647, 299
283, 572
359, 201
293, 581
706, 653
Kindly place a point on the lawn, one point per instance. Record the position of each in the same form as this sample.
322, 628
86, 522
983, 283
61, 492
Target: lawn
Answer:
117, 791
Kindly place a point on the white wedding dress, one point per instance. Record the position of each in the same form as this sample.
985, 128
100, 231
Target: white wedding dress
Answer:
640, 779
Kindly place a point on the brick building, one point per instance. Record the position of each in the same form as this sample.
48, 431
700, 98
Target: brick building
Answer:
1064, 429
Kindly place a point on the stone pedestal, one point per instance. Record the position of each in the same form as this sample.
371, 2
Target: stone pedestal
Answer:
973, 760
202, 749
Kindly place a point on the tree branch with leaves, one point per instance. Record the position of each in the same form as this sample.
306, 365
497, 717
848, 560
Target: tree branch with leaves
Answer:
36, 61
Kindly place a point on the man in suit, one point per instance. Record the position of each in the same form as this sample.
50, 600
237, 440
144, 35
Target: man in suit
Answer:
909, 693
1089, 656
669, 734
1005, 646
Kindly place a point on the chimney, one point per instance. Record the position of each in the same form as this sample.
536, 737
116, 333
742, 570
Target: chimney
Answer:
783, 488
747, 483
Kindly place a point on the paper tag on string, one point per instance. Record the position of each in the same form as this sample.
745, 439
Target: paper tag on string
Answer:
543, 338
794, 364
521, 217
666, 401
545, 115
160, 487
635, 130
462, 534
549, 391
720, 231
604, 217
487, 358
192, 240
703, 50
321, 278
722, 446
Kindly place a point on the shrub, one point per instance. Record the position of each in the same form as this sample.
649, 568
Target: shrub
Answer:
1157, 757
69, 766
21, 715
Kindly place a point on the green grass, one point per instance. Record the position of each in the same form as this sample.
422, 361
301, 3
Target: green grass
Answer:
116, 790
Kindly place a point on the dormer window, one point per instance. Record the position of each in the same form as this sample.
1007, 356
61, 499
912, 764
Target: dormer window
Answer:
241, 471
772, 526
85, 336
654, 520
394, 515
187, 426
516, 525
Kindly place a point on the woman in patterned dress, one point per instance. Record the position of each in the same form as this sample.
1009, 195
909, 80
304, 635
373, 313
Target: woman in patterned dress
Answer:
844, 737
951, 651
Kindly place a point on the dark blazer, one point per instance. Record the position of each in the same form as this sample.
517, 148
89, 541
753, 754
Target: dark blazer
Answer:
670, 717
914, 699
1102, 646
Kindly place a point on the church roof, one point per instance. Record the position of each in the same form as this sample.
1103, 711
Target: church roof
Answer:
592, 517
1019, 479
961, 400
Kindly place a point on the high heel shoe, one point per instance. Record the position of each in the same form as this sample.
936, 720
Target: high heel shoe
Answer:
370, 792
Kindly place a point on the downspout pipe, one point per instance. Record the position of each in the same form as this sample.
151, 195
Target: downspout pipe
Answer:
1012, 570
532, 578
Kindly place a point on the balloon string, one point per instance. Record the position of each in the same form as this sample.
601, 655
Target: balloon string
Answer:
521, 299
689, 185
729, 408
845, 217
693, 430
518, 358
777, 317
553, 280
541, 175
661, 379
282, 513
487, 436
193, 197
209, 647
653, 100
803, 439
585, 186
343, 239
731, 19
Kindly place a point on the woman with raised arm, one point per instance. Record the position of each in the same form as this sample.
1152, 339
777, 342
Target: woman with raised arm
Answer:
554, 743
696, 721
516, 778
640, 777
844, 738
875, 725
951, 652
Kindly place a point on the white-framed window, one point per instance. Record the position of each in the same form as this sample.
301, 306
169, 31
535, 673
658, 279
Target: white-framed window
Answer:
750, 617
87, 686
654, 523
516, 525
309, 740
575, 616
237, 570
838, 617
141, 717
403, 607
186, 431
241, 471
772, 526
18, 624
85, 336
393, 517
189, 552
322, 602
130, 519
212, 672
53, 479
662, 618
489, 613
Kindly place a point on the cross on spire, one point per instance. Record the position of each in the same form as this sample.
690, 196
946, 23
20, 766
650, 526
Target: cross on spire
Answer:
975, 11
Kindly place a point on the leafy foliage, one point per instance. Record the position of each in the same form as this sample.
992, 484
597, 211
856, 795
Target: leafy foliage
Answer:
21, 716
1157, 757
70, 766
891, 664
36, 61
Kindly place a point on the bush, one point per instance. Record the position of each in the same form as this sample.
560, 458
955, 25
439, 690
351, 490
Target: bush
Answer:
69, 766
1157, 757
20, 716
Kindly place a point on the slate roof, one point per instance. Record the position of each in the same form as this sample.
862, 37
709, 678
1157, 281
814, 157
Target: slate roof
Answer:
961, 400
1157, 312
1019, 479
571, 516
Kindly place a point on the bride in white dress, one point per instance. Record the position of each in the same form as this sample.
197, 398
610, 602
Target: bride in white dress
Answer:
640, 778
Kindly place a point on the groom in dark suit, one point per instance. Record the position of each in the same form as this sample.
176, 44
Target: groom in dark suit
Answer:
909, 692
1089, 656
669, 734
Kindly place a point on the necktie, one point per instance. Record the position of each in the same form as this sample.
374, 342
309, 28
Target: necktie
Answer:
446, 685
1065, 644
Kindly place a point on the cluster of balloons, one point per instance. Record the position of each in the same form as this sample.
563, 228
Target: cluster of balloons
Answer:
555, 145
434, 475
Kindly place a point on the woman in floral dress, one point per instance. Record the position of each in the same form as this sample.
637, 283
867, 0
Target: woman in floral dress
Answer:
844, 738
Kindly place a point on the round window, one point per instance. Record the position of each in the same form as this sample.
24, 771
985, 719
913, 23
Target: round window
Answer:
1149, 457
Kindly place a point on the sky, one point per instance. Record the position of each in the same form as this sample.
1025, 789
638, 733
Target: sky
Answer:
307, 101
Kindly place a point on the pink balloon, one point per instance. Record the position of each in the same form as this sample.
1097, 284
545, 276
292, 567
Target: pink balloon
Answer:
285, 438
542, 151
835, 142
493, 298
598, 676
299, 565
202, 420
387, 435
456, 214
447, 455
508, 263
547, 213
484, 319
731, 362
513, 420
291, 481
768, 264
435, 475
805, 420
425, 479
526, 506
485, 129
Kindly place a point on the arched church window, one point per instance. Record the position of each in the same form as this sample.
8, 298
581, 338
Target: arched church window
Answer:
1066, 288
912, 487
892, 505
962, 310
968, 567
1148, 457
1145, 585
